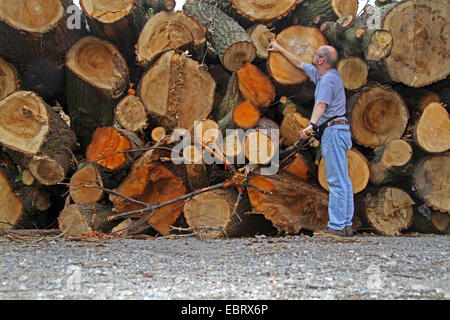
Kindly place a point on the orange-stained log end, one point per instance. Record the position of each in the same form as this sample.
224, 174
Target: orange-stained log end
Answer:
107, 148
245, 115
255, 86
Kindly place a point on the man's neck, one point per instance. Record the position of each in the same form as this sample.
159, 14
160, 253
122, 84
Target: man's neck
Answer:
323, 69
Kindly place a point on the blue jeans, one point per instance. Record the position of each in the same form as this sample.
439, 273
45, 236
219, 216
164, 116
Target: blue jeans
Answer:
336, 141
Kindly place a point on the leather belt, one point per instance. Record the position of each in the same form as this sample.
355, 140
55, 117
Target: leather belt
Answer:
334, 122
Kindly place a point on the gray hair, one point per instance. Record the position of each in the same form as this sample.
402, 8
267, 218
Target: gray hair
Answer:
329, 57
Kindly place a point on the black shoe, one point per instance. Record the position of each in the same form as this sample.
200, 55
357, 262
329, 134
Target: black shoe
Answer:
348, 231
330, 233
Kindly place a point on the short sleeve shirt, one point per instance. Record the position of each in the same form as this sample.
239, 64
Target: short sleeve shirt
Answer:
329, 90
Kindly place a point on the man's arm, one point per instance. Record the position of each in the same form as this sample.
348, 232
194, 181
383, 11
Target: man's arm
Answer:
292, 58
319, 109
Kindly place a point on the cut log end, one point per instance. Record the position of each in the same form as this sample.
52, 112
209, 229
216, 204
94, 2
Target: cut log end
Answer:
22, 14
431, 181
422, 22
245, 115
432, 130
261, 38
130, 113
151, 183
390, 211
264, 11
343, 7
47, 170
380, 45
165, 31
8, 79
106, 11
300, 40
255, 86
85, 185
237, 54
108, 148
99, 63
24, 122
158, 133
378, 115
11, 204
185, 91
353, 72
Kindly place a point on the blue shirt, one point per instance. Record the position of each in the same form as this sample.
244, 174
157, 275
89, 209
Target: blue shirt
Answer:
329, 90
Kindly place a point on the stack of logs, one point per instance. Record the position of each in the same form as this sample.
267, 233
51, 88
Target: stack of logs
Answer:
126, 117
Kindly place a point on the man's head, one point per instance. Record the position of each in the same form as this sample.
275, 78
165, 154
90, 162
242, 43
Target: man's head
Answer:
325, 57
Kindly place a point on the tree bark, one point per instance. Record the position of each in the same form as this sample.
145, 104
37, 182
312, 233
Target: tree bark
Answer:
351, 37
119, 22
48, 156
96, 80
35, 37
316, 12
391, 162
231, 42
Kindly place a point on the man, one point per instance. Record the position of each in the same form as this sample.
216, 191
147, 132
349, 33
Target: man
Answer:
329, 109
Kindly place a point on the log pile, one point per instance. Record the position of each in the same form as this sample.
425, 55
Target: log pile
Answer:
126, 117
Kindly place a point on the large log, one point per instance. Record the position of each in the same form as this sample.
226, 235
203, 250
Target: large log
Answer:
35, 36
119, 22
37, 137
303, 42
185, 91
113, 148
223, 221
316, 12
388, 210
264, 11
432, 129
255, 86
431, 179
419, 55
358, 170
391, 162
351, 37
9, 81
377, 115
353, 72
165, 31
231, 42
151, 182
12, 204
77, 219
293, 204
96, 80
131, 114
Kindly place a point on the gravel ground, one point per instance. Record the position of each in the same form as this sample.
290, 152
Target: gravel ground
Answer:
268, 268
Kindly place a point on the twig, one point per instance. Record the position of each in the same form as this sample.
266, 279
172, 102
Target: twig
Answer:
152, 208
